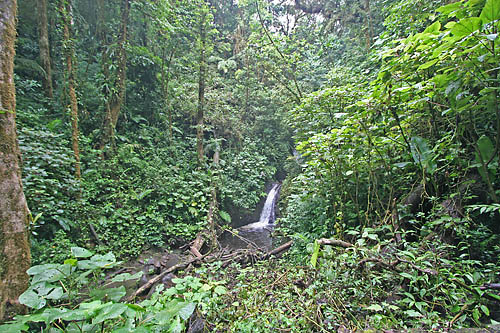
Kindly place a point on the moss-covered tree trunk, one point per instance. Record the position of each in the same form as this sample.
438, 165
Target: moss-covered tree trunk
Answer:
117, 98
69, 54
14, 223
44, 46
201, 83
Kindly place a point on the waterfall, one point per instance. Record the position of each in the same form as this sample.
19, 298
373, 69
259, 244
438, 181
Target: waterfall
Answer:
268, 214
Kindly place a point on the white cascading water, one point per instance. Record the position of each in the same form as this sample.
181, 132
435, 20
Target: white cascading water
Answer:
268, 214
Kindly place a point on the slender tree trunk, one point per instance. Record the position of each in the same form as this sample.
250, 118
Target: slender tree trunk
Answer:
117, 98
14, 214
201, 85
43, 44
165, 82
69, 55
103, 49
369, 28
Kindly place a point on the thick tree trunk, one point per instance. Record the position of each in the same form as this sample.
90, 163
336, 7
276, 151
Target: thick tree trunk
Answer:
201, 86
69, 54
14, 223
117, 99
43, 44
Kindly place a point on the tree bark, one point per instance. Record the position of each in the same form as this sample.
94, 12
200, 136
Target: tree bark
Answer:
117, 98
69, 55
369, 28
14, 215
201, 84
44, 46
165, 79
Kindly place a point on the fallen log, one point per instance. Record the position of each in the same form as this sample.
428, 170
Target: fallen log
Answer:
277, 250
157, 278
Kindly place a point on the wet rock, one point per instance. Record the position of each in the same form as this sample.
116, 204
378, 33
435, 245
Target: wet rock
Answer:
172, 260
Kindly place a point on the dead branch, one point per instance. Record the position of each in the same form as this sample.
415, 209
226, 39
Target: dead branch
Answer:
247, 241
157, 278
422, 270
487, 295
393, 265
389, 265
197, 245
237, 256
94, 234
277, 250
334, 242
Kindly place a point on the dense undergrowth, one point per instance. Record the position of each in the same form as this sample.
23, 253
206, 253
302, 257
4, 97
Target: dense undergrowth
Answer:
397, 153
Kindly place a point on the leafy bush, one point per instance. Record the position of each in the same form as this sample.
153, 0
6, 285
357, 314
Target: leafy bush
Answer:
49, 184
245, 174
145, 196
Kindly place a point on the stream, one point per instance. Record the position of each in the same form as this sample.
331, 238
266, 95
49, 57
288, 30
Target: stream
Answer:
258, 233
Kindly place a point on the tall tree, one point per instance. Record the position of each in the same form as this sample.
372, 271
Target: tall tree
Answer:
117, 97
14, 215
44, 46
202, 41
66, 11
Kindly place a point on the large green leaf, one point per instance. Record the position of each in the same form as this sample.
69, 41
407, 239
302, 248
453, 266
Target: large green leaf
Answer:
14, 328
491, 11
114, 294
80, 252
127, 276
449, 8
173, 309
487, 151
315, 254
486, 148
36, 296
422, 154
186, 311
225, 216
110, 311
32, 299
428, 64
41, 268
98, 261
466, 26
435, 27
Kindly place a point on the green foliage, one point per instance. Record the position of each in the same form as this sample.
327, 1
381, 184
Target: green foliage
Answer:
245, 176
56, 249
67, 297
146, 196
417, 285
368, 146
49, 183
